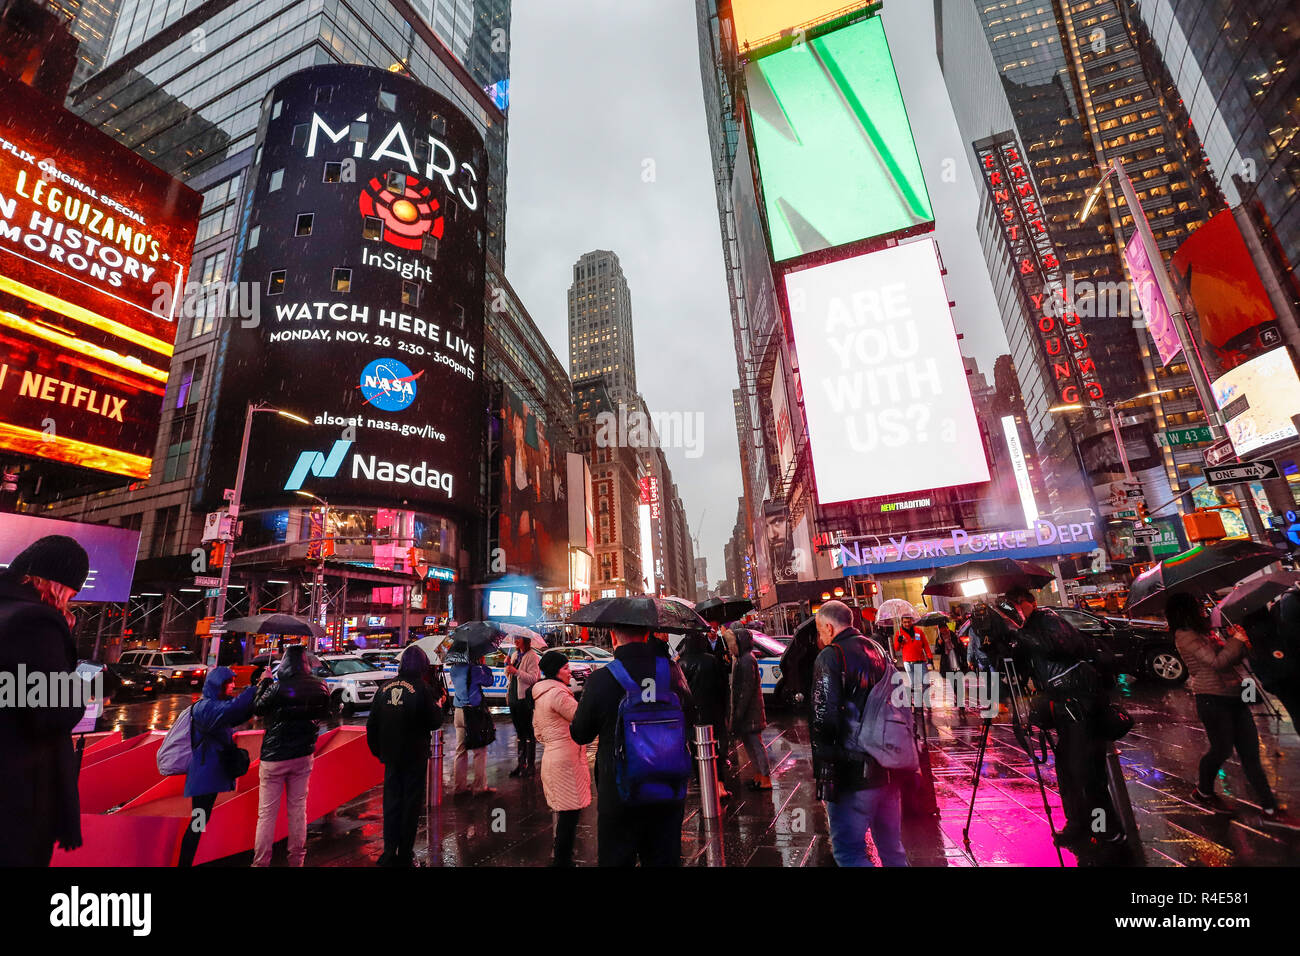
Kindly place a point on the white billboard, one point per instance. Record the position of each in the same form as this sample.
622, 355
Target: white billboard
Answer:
1271, 390
1021, 468
782, 419
884, 389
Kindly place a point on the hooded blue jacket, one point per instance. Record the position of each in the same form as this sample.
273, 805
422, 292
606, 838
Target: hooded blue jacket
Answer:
213, 721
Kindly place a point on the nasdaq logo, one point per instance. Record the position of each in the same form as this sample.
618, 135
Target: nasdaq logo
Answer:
316, 463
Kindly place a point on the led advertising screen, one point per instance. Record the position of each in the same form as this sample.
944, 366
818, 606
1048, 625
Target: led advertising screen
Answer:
884, 389
94, 244
112, 551
758, 23
364, 233
533, 521
1272, 393
836, 159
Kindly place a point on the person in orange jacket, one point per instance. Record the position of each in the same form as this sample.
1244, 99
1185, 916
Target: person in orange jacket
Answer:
912, 646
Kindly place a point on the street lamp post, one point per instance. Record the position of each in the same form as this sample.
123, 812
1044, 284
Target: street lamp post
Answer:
219, 608
1204, 394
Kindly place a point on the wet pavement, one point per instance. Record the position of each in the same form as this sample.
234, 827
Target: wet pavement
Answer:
787, 826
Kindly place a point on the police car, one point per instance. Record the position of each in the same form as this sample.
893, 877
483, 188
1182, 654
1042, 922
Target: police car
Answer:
767, 651
352, 681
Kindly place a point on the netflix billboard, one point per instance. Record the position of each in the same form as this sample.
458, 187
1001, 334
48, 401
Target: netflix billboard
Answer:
95, 244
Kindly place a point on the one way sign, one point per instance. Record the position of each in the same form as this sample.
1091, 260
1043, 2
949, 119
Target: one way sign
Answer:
1260, 470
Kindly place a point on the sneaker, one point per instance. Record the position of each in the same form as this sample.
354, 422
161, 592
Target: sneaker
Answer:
1069, 835
1277, 817
1211, 801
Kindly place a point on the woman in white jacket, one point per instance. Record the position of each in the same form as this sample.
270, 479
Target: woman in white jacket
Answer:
566, 776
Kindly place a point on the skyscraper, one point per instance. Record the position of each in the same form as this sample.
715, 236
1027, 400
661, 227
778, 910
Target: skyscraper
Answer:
600, 326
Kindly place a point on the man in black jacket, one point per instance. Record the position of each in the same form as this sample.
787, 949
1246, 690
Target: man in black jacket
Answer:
39, 805
708, 685
289, 704
404, 713
722, 729
860, 796
1060, 661
624, 834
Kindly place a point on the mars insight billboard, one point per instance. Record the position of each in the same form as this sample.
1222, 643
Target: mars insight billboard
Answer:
365, 236
93, 242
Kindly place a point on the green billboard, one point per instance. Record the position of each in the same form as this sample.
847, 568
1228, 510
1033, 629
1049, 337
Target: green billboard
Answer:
836, 158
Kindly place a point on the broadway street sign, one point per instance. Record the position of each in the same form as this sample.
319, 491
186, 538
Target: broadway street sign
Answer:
1260, 470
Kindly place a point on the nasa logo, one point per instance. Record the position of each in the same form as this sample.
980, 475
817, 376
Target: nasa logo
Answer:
388, 385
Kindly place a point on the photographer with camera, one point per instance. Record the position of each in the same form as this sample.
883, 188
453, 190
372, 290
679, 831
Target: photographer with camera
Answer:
861, 796
1061, 662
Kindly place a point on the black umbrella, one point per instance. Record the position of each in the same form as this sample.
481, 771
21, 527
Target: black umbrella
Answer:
933, 619
1252, 596
997, 574
476, 638
275, 624
1204, 569
657, 614
720, 610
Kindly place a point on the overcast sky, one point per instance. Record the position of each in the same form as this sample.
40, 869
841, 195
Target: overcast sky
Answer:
603, 101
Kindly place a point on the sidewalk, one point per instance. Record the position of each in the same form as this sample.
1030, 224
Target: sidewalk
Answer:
787, 826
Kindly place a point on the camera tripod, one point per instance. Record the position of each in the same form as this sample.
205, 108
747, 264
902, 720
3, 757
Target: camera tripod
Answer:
1022, 729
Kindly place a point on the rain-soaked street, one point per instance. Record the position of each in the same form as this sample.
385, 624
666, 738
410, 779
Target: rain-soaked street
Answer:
787, 826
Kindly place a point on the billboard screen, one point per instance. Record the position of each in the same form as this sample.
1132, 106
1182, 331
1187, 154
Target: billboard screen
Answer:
884, 389
534, 515
1272, 392
112, 551
836, 159
93, 241
758, 23
364, 232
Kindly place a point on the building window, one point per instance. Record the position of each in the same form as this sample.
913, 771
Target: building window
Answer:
333, 173
253, 235
187, 394
277, 180
429, 248
372, 228
299, 136
276, 285
410, 293
359, 131
388, 101
276, 107
396, 182
341, 280
165, 525
303, 228
324, 94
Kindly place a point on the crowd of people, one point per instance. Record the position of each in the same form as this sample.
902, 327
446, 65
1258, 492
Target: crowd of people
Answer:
642, 710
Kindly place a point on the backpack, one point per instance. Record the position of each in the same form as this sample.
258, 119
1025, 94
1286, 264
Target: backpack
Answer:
177, 749
880, 726
651, 762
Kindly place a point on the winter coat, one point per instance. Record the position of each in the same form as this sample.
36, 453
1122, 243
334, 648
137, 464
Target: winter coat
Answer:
39, 805
912, 646
747, 716
566, 778
213, 722
528, 671
848, 663
708, 683
289, 707
1213, 666
948, 645
597, 714
403, 715
467, 683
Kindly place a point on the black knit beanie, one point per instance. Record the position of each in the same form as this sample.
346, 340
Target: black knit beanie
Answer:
55, 557
552, 662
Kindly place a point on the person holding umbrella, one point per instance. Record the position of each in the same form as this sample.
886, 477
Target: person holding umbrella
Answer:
405, 712
1215, 678
523, 671
911, 644
468, 680
708, 687
39, 804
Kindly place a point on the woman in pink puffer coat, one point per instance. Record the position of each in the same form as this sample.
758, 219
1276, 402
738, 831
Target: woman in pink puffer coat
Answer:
566, 776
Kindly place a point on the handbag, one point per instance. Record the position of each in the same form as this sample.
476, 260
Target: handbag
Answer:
480, 730
1112, 721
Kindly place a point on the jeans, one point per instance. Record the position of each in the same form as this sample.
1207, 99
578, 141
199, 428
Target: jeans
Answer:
855, 813
1230, 725
403, 796
460, 765
916, 680
198, 823
288, 777
757, 752
651, 834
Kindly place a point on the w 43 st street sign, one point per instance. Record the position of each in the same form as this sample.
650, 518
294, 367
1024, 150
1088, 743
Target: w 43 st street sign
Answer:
1260, 470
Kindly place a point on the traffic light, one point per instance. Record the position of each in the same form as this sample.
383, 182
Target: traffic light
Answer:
1142, 512
216, 554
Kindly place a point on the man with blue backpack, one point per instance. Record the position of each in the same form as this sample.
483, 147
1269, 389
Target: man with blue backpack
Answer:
639, 706
862, 740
